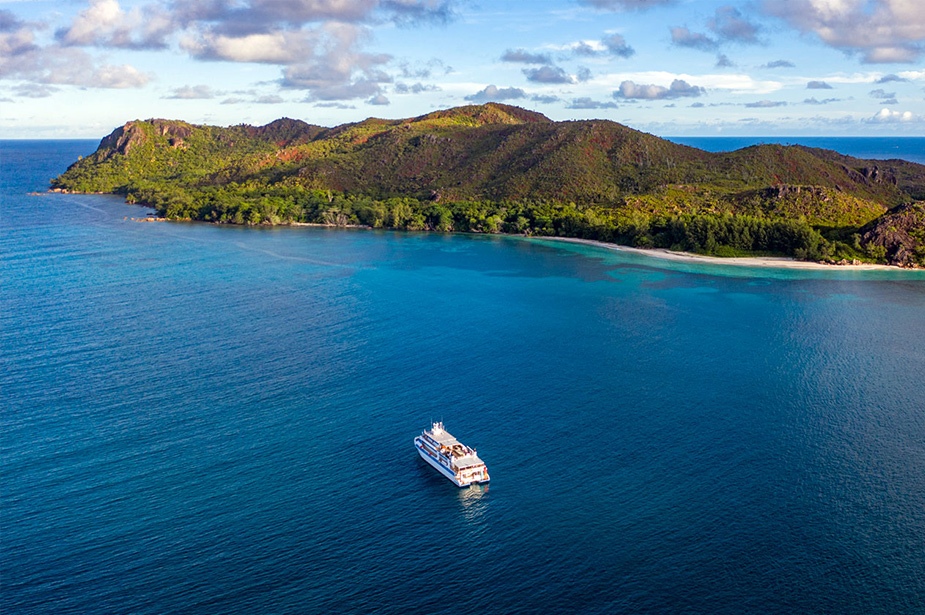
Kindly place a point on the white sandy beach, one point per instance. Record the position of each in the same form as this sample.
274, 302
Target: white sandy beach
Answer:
750, 261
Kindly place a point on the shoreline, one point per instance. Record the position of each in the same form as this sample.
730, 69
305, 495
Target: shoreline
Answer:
769, 262
766, 262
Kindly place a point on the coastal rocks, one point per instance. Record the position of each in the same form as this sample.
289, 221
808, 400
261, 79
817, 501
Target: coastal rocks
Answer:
898, 236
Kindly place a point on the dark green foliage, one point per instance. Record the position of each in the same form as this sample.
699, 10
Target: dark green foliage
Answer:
724, 234
495, 168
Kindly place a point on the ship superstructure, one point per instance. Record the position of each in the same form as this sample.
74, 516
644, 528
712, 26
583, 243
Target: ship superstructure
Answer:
450, 457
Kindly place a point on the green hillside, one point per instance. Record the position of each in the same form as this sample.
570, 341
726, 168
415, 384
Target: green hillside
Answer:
498, 168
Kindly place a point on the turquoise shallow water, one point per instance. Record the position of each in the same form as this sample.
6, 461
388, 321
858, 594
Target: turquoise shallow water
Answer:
209, 419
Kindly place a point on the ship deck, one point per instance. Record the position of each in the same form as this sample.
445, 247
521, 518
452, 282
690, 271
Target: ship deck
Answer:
462, 454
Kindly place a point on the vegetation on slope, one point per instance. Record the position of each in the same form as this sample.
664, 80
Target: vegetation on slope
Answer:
497, 168
899, 236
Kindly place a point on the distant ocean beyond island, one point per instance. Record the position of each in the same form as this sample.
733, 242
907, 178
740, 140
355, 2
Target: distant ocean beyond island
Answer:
881, 148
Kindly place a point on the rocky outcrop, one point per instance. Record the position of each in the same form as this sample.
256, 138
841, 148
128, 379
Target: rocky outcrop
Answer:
172, 128
898, 236
872, 175
286, 131
122, 140
877, 175
782, 191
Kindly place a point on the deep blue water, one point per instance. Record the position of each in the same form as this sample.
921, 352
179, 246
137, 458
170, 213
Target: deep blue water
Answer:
209, 419
906, 148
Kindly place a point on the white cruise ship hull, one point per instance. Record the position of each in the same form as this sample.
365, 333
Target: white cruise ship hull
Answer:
465, 476
440, 468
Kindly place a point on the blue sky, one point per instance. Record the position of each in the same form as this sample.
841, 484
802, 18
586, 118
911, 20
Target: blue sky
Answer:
670, 67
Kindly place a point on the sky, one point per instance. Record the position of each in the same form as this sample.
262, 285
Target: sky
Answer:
79, 68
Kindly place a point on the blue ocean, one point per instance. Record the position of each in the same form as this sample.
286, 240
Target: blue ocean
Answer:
209, 419
878, 148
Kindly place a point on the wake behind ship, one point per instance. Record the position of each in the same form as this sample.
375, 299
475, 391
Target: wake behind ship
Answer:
450, 457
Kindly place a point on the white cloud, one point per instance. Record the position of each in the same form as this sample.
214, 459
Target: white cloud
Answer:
678, 89
683, 37
56, 65
22, 58
269, 99
332, 105
586, 102
778, 64
738, 83
104, 23
193, 92
18, 50
272, 48
878, 30
32, 90
730, 25
523, 56
319, 45
547, 74
89, 25
327, 60
626, 5
110, 76
493, 93
611, 44
766, 104
845, 78
249, 16
889, 116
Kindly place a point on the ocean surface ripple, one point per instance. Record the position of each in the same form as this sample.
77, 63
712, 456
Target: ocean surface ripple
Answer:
196, 418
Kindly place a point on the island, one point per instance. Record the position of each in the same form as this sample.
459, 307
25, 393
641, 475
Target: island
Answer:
497, 168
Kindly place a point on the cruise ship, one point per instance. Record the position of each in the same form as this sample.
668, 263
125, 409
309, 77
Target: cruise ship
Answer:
450, 457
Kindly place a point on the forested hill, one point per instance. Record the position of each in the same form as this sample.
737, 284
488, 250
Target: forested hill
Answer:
495, 167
